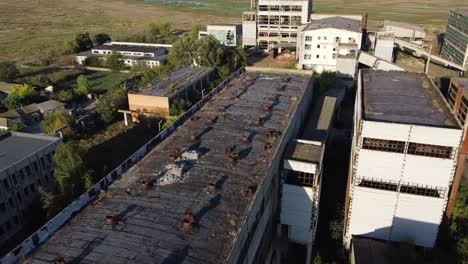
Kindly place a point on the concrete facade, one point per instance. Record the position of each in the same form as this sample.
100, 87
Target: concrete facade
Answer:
330, 44
456, 37
401, 172
277, 22
404, 30
26, 163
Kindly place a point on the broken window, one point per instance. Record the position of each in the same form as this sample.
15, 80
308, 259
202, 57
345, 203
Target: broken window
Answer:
300, 178
422, 190
429, 150
378, 184
383, 145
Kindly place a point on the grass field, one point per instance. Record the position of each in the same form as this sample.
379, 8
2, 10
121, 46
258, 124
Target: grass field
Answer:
29, 27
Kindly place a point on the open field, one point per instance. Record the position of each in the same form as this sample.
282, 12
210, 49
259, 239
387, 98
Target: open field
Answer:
29, 27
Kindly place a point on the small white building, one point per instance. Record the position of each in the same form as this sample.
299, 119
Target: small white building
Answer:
403, 160
384, 46
330, 44
134, 54
227, 34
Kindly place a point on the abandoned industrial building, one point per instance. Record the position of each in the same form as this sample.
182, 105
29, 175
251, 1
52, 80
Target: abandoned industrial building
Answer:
404, 158
25, 165
208, 193
186, 83
274, 24
330, 44
134, 54
456, 38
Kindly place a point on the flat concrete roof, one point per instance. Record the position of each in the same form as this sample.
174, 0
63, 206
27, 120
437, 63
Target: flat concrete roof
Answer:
335, 22
403, 25
230, 141
179, 80
128, 48
305, 152
15, 147
461, 11
404, 97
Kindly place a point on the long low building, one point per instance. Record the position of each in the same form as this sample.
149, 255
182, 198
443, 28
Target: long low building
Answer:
206, 194
134, 54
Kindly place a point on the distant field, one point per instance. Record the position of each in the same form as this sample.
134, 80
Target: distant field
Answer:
28, 27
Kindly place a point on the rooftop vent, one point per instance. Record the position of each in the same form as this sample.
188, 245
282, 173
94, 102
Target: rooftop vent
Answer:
231, 154
245, 139
281, 87
194, 136
249, 191
272, 134
260, 121
286, 79
211, 120
267, 147
175, 153
188, 221
59, 260
145, 183
266, 107
194, 118
113, 220
212, 187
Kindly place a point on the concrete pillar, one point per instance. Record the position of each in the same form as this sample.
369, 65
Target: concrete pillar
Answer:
309, 253
428, 60
126, 119
458, 99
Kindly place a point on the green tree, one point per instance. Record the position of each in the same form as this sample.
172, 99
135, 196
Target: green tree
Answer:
40, 80
83, 42
48, 56
183, 52
101, 38
109, 104
178, 107
70, 169
93, 60
18, 126
8, 71
115, 61
56, 120
21, 95
52, 202
65, 96
83, 87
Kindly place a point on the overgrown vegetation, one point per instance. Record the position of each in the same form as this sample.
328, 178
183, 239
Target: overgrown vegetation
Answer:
115, 61
54, 121
8, 71
109, 104
20, 96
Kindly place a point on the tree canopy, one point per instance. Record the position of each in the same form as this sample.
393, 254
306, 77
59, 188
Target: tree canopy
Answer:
56, 120
115, 61
83, 87
70, 169
8, 71
101, 38
207, 51
109, 104
81, 43
21, 95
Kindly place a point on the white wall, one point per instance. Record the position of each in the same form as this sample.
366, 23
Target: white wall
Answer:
295, 165
296, 211
328, 47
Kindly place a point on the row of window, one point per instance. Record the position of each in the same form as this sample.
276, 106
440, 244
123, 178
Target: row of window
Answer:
410, 147
299, 178
34, 168
337, 39
408, 188
280, 8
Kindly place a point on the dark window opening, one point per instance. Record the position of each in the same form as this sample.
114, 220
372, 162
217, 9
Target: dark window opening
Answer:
420, 190
384, 145
299, 178
379, 185
429, 150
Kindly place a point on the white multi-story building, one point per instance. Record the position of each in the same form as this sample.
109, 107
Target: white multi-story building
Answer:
277, 22
330, 44
403, 160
